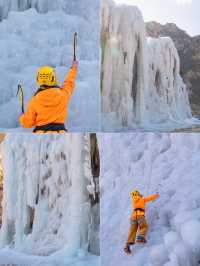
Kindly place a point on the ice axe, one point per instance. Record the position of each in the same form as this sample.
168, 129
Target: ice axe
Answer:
20, 93
75, 44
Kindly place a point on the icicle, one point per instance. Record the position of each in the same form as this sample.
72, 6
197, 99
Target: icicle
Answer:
45, 193
169, 97
124, 73
141, 82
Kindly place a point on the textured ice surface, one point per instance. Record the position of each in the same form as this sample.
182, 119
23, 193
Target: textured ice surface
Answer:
124, 63
169, 96
141, 82
43, 35
164, 163
46, 206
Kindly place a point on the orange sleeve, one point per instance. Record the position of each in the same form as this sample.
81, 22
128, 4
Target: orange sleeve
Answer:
151, 197
28, 119
69, 82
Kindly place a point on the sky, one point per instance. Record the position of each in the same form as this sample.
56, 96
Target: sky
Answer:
185, 13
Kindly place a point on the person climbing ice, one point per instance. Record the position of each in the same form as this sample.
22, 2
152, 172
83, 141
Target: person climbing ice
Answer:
48, 108
139, 224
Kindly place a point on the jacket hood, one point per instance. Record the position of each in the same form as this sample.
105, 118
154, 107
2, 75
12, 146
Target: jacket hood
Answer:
49, 97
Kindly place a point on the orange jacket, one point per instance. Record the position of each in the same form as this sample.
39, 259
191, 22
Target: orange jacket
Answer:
50, 105
139, 203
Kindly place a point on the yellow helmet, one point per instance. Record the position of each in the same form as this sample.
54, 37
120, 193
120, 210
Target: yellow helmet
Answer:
135, 193
46, 76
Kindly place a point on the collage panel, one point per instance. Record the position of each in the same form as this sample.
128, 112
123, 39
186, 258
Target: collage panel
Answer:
49, 66
150, 66
50, 200
99, 133
150, 200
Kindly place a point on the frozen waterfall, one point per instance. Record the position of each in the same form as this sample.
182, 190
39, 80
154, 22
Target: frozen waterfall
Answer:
141, 82
164, 163
169, 95
40, 32
124, 69
46, 205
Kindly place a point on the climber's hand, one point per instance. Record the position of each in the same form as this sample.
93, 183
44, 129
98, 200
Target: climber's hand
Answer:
158, 195
75, 63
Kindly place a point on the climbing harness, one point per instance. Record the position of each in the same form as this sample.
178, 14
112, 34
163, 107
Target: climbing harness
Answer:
139, 209
51, 127
138, 221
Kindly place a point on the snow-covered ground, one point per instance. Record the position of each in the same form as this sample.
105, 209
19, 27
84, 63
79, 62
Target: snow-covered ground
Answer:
141, 83
35, 33
8, 256
48, 217
164, 163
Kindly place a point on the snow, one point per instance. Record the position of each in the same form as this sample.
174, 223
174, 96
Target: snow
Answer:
48, 218
36, 33
8, 257
163, 163
141, 84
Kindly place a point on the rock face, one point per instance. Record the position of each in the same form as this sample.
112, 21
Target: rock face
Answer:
141, 82
189, 52
47, 186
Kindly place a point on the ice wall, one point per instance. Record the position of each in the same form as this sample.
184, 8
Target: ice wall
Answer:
46, 205
1, 187
169, 96
164, 163
123, 63
43, 6
43, 35
141, 82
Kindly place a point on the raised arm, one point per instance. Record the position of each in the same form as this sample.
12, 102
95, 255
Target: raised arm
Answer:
151, 197
28, 119
69, 83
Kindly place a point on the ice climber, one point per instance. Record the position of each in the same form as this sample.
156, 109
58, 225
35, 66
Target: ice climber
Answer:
47, 111
138, 221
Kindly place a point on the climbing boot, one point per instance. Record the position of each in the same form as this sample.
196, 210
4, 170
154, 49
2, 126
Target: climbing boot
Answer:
127, 249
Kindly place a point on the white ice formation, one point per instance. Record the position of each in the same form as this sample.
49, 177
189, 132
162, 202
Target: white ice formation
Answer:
168, 93
141, 82
40, 32
164, 163
46, 205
